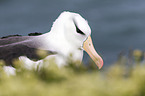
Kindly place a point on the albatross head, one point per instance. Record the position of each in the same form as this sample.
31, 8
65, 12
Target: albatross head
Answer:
76, 31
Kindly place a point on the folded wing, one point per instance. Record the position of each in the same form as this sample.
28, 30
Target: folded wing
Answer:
13, 47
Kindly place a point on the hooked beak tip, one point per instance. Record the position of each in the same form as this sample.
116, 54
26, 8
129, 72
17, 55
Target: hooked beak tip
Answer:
100, 65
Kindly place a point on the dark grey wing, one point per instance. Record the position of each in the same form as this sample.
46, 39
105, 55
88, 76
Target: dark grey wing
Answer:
14, 39
17, 38
12, 51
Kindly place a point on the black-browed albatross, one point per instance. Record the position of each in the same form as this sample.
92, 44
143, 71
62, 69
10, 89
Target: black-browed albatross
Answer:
70, 34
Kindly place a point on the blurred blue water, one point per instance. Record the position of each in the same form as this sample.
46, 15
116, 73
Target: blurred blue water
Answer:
117, 25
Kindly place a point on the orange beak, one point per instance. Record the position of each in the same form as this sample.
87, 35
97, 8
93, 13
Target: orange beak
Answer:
89, 48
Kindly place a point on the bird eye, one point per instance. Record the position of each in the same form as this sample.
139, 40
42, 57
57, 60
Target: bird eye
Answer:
78, 30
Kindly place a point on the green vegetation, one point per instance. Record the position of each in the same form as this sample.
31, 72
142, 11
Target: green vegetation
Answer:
120, 79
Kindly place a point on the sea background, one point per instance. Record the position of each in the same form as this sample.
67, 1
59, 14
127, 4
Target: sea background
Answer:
117, 25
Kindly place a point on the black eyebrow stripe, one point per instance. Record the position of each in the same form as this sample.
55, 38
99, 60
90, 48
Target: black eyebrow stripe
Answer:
78, 30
